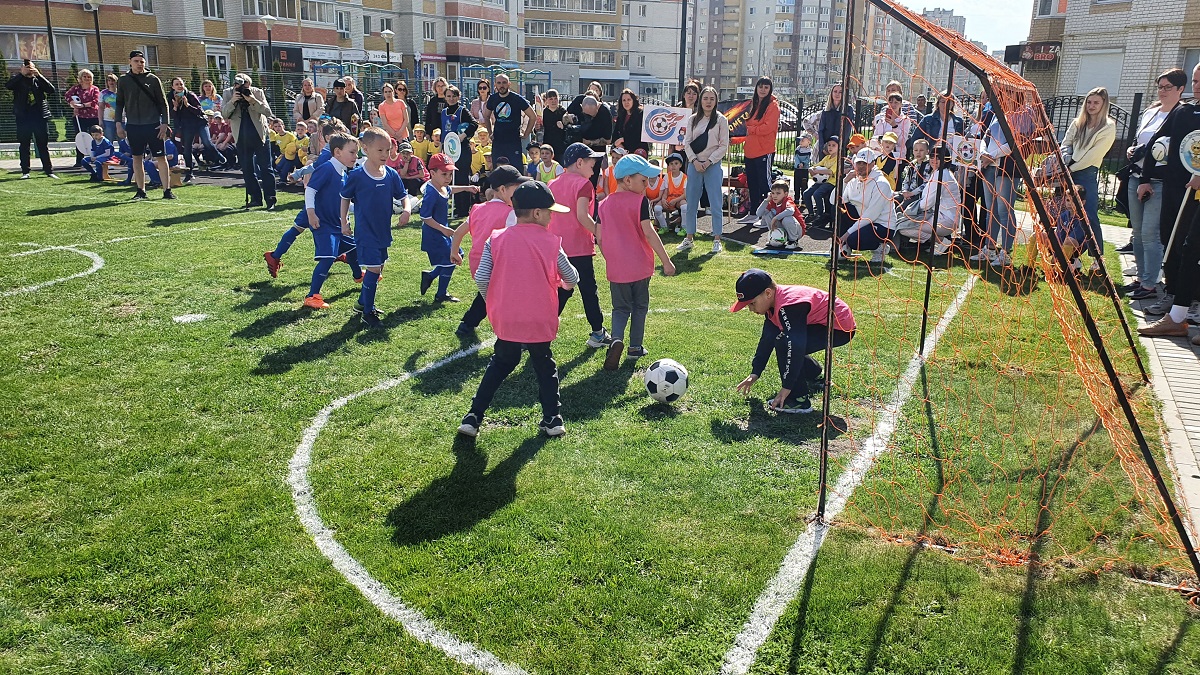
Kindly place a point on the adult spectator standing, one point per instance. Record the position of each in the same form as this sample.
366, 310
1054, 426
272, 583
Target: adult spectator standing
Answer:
403, 94
762, 128
483, 91
554, 130
508, 118
999, 194
627, 133
309, 103
393, 114
941, 120
456, 119
147, 119
245, 106
892, 119
108, 106
1145, 213
592, 126
189, 121
353, 92
84, 99
32, 111
906, 108
834, 119
707, 141
1089, 138
341, 107
433, 107
1181, 270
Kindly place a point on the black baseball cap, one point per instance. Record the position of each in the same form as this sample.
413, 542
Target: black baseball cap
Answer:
505, 175
534, 195
749, 286
136, 52
339, 83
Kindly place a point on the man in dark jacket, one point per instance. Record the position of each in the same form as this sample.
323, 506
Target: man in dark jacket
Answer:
142, 105
31, 110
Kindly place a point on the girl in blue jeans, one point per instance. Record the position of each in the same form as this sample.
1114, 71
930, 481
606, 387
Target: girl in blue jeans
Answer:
706, 142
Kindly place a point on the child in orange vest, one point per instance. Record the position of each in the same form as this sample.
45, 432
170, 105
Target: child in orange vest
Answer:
520, 271
629, 243
669, 201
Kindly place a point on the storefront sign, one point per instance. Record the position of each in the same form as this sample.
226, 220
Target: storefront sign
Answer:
1041, 52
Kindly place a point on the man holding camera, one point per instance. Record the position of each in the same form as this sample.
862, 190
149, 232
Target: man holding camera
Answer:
143, 107
31, 111
246, 108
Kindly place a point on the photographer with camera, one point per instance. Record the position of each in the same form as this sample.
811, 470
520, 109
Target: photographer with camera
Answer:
142, 106
246, 108
31, 110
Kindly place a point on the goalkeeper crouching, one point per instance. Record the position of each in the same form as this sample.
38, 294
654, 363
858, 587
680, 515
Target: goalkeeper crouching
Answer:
794, 326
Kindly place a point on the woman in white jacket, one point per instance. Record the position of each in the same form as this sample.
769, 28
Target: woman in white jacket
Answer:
919, 221
706, 142
1089, 138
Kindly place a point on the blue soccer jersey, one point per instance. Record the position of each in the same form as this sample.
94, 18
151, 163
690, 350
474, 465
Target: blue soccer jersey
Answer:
435, 205
327, 182
372, 197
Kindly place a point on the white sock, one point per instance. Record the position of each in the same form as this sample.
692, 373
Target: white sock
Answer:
1178, 313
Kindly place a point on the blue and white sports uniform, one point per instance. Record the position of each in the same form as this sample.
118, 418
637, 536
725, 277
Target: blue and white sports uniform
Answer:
436, 205
372, 197
324, 196
321, 160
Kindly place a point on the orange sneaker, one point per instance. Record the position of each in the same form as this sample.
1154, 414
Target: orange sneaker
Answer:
273, 264
316, 302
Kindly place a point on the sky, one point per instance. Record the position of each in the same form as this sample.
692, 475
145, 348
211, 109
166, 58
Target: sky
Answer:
996, 23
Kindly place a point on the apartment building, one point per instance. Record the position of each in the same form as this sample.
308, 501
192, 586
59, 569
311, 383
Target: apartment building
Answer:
1075, 45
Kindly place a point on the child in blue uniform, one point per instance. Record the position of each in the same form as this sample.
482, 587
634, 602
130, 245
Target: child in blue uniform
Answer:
373, 187
125, 157
435, 231
102, 150
323, 206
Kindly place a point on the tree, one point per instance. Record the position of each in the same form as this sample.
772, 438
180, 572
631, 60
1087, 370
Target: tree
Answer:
194, 85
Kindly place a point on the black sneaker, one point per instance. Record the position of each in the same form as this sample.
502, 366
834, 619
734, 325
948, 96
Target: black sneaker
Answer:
794, 406
445, 298
373, 318
251, 205
465, 332
169, 195
612, 360
1143, 293
551, 427
271, 202
139, 196
636, 352
1127, 248
470, 425
426, 281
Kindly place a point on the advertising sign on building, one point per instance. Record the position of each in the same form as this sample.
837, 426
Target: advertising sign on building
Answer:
290, 59
1041, 52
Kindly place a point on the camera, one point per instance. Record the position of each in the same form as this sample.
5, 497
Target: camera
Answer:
243, 89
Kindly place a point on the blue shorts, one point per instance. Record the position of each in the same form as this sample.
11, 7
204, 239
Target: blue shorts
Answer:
327, 241
372, 256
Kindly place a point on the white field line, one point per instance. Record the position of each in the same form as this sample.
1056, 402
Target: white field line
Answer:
97, 263
165, 233
788, 580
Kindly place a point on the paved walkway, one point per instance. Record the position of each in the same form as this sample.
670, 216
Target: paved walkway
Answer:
1174, 365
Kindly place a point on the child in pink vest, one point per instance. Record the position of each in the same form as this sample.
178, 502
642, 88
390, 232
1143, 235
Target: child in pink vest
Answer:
520, 272
485, 218
577, 229
795, 327
629, 244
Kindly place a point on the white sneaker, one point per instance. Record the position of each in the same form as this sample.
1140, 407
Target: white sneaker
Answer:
684, 245
50, 175
1164, 304
1001, 259
748, 219
1193, 315
984, 254
942, 247
24, 176
880, 253
1131, 271
716, 246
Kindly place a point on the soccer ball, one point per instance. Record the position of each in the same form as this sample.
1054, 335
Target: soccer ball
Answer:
666, 380
777, 237
1160, 148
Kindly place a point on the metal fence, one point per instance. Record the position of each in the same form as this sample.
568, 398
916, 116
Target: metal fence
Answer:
1063, 109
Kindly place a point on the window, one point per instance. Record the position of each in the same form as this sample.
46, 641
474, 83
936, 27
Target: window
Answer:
151, 52
641, 36
214, 9
428, 31
385, 24
280, 9
1190, 58
1051, 8
586, 56
588, 6
366, 25
751, 10
71, 48
624, 60
1100, 68
495, 33
317, 11
143, 6
570, 29
642, 10
641, 61
624, 35
343, 24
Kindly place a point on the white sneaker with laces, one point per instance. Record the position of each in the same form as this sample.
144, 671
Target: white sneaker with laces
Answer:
1000, 259
878, 255
1193, 315
716, 246
24, 176
1164, 304
684, 245
942, 247
984, 254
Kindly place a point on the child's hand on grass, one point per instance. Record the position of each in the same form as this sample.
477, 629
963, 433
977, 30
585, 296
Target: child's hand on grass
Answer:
743, 387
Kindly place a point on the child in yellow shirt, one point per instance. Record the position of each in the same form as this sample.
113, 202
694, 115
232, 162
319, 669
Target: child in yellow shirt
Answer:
288, 148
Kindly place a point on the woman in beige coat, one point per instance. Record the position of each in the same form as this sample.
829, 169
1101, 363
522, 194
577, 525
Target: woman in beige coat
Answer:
706, 142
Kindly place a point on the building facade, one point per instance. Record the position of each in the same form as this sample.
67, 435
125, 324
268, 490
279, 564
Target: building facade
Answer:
1076, 45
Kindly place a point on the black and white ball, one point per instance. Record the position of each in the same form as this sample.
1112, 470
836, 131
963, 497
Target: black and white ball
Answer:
1160, 149
666, 380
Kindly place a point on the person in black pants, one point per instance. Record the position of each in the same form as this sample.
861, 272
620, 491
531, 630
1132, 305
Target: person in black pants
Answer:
456, 118
31, 110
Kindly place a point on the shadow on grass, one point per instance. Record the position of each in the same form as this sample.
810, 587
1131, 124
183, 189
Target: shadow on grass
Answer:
1049, 483
262, 293
193, 217
272, 322
283, 360
72, 208
785, 427
1167, 655
466, 497
683, 263
802, 618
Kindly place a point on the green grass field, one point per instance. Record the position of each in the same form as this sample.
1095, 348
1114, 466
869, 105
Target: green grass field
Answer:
149, 525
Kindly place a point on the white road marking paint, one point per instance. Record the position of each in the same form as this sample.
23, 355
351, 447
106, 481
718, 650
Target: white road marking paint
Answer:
190, 318
97, 263
788, 580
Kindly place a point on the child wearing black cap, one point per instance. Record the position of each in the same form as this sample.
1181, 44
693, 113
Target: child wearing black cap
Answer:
794, 327
519, 274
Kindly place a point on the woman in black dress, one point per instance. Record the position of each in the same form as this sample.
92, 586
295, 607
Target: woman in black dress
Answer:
627, 133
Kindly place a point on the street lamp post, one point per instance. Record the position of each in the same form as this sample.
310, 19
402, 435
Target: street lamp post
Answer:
269, 21
770, 24
96, 20
387, 36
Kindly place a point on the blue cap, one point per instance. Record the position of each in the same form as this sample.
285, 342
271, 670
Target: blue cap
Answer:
635, 164
576, 152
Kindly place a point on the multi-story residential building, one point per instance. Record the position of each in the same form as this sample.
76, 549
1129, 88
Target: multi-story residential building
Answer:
1075, 45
